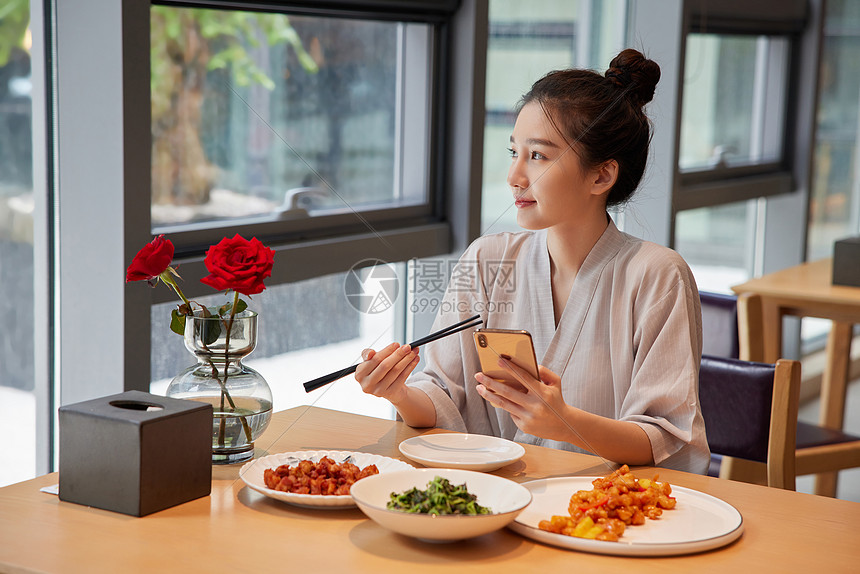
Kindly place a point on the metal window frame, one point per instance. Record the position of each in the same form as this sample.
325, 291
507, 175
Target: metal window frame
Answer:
708, 187
338, 234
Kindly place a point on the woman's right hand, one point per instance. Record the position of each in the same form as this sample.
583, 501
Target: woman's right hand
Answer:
383, 373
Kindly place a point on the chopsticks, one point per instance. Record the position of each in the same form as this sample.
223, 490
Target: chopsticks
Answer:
455, 328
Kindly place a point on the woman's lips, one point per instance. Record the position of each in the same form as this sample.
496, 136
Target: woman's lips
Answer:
520, 203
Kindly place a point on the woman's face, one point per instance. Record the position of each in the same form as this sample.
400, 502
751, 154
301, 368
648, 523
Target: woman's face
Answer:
550, 186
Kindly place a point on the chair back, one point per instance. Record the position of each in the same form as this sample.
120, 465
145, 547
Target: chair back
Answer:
750, 412
719, 325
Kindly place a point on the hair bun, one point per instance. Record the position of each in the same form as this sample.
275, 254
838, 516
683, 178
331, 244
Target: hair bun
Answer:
631, 69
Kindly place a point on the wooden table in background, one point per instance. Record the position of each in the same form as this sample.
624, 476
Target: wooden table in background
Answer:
236, 529
806, 290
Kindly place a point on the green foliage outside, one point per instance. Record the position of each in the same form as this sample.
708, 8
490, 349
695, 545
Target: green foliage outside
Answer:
187, 44
14, 19
176, 35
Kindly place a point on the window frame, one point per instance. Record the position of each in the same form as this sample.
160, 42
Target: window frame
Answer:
785, 18
720, 185
341, 238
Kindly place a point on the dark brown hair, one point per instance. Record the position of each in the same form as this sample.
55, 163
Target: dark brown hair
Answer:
602, 117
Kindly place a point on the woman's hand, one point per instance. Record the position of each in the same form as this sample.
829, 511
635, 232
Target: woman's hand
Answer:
383, 373
539, 410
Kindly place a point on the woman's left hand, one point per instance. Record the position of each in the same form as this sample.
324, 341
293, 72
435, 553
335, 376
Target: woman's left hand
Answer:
540, 410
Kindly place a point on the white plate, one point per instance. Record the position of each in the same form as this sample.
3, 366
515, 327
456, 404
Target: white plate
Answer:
505, 498
252, 473
462, 451
699, 522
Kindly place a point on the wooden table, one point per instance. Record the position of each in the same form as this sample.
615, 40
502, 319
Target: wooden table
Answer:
806, 290
239, 530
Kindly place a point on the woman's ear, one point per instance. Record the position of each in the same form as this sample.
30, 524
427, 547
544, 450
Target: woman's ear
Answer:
604, 177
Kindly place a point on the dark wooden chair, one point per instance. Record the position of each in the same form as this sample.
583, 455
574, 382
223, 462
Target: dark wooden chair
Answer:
750, 412
719, 339
820, 450
719, 325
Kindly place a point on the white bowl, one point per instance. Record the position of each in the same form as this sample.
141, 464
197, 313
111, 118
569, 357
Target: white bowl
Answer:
505, 498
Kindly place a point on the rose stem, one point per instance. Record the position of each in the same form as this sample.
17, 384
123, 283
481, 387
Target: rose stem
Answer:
244, 420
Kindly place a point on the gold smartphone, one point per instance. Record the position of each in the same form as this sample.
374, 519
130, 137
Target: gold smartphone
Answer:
512, 345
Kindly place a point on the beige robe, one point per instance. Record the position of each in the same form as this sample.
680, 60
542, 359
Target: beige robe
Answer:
627, 346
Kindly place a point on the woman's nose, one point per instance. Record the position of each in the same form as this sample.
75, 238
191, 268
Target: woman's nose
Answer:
517, 178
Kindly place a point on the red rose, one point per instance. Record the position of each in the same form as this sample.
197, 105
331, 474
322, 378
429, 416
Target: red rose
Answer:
151, 261
238, 264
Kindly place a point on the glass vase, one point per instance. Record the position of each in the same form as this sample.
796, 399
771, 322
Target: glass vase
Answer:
240, 397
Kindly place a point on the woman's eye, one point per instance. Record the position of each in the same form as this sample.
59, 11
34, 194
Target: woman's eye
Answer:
512, 152
537, 155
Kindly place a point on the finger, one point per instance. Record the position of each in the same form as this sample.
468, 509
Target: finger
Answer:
497, 400
368, 372
518, 373
367, 354
548, 377
397, 355
401, 378
389, 369
404, 365
501, 388
374, 358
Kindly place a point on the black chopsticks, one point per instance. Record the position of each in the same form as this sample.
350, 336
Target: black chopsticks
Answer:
473, 321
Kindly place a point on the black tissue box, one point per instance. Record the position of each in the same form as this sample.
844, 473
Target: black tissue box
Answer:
135, 453
846, 262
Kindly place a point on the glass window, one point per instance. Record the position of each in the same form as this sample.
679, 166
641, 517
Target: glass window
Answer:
718, 243
731, 151
733, 108
17, 373
292, 128
834, 205
526, 41
281, 118
834, 202
306, 329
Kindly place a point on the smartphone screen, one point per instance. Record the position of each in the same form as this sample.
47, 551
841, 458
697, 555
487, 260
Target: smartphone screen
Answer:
512, 345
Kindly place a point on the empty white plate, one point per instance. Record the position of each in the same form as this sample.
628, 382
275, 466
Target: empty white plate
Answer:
462, 451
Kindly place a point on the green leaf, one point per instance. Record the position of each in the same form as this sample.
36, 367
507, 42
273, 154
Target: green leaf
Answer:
177, 322
226, 309
241, 306
211, 330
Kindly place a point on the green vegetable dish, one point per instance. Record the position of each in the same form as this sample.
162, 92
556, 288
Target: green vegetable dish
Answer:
440, 497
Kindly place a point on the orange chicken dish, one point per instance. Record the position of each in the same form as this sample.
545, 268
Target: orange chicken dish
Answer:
325, 477
616, 502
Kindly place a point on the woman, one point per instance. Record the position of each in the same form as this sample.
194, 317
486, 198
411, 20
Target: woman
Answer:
615, 320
